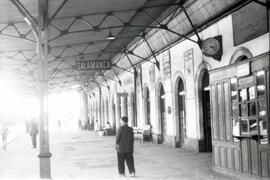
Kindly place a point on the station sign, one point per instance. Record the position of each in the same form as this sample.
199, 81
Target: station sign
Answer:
93, 65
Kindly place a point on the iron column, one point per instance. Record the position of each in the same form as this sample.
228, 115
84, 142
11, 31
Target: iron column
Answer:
42, 51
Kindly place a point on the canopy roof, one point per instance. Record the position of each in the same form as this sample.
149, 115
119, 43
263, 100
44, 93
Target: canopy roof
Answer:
78, 28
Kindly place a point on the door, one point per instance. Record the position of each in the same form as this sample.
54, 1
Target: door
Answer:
206, 113
162, 113
147, 107
181, 111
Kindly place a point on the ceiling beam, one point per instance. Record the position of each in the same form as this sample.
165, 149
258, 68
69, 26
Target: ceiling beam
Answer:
120, 11
28, 18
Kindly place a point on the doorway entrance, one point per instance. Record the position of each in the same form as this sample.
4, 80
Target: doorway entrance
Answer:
162, 113
181, 111
207, 141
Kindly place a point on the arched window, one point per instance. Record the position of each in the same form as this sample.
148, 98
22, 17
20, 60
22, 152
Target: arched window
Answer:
240, 55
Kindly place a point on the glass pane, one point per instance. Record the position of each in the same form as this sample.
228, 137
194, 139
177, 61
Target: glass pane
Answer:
251, 93
235, 110
236, 131
244, 126
260, 84
262, 108
233, 84
263, 126
253, 126
260, 91
252, 109
263, 130
234, 96
264, 140
243, 95
234, 89
243, 110
260, 77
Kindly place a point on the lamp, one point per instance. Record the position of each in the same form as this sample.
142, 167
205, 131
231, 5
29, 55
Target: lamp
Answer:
110, 36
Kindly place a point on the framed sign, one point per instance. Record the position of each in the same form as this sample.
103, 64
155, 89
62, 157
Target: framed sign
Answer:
94, 65
249, 22
166, 65
189, 73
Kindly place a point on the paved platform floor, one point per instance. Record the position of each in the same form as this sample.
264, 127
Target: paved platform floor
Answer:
82, 155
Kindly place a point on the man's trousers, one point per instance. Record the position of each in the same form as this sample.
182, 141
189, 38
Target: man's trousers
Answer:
128, 157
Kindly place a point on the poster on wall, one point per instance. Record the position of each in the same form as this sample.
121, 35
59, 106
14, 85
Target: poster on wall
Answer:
166, 65
249, 22
189, 73
152, 75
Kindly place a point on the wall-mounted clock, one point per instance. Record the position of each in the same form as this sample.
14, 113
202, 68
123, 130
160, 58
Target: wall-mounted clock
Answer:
212, 47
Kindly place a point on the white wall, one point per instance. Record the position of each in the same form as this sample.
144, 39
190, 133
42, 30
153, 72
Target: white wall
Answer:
223, 27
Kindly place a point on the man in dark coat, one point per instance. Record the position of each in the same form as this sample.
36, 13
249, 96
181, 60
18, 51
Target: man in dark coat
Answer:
33, 133
124, 147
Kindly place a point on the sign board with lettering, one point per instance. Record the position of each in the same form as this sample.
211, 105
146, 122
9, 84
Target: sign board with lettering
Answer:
243, 69
246, 82
94, 65
166, 65
249, 22
189, 73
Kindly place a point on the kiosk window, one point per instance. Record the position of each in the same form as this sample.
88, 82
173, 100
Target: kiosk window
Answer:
248, 106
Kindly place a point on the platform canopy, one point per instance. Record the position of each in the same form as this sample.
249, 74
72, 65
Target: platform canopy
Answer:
122, 32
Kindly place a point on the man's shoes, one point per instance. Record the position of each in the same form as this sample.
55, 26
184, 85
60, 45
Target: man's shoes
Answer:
132, 174
121, 175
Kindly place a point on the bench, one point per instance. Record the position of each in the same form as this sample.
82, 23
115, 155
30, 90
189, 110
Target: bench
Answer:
106, 132
109, 132
142, 133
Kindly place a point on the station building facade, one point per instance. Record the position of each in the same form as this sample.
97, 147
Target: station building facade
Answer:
198, 103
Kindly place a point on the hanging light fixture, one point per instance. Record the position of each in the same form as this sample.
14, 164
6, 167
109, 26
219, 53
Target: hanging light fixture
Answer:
110, 36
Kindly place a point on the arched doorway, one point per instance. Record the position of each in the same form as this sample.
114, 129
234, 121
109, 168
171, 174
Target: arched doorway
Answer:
205, 92
162, 111
181, 115
147, 107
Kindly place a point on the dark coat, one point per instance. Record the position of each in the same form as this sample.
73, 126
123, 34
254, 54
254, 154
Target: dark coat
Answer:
34, 129
125, 139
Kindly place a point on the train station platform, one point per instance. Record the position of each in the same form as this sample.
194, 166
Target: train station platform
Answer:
83, 155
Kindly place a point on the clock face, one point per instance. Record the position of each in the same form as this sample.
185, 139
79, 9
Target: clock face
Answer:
210, 47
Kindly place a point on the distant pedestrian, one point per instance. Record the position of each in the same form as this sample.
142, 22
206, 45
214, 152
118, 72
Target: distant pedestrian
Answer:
4, 133
88, 124
108, 125
96, 128
124, 147
34, 133
59, 125
80, 124
92, 125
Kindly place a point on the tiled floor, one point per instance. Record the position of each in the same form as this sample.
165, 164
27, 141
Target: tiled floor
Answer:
82, 155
